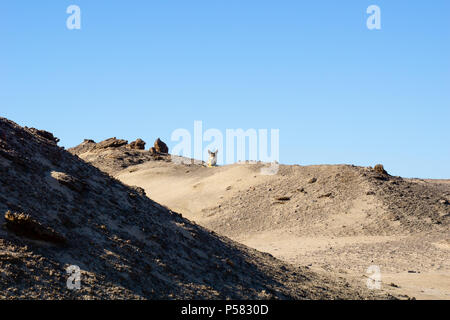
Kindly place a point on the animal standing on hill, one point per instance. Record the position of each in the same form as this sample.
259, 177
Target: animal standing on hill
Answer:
212, 161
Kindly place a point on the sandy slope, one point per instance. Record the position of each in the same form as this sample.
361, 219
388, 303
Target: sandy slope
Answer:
347, 220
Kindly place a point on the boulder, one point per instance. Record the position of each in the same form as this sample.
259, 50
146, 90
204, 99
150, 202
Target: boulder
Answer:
139, 144
44, 134
312, 180
160, 146
380, 169
68, 181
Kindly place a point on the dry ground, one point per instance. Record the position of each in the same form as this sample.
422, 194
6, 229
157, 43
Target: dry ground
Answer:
347, 220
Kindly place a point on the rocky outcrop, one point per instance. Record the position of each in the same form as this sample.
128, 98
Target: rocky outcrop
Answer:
139, 144
44, 134
111, 143
68, 181
115, 235
86, 146
113, 160
160, 146
379, 168
23, 225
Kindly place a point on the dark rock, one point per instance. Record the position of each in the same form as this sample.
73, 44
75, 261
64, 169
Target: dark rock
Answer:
283, 198
44, 134
160, 146
380, 169
139, 144
302, 190
138, 192
312, 180
326, 195
23, 225
68, 181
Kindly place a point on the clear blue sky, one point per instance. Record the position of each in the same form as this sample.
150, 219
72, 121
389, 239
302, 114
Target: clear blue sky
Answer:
338, 92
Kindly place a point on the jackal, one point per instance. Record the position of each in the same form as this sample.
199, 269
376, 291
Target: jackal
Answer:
212, 161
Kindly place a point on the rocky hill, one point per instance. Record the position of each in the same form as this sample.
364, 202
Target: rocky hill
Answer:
335, 218
59, 211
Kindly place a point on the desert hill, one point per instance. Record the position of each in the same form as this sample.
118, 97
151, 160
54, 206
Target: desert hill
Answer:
59, 211
335, 218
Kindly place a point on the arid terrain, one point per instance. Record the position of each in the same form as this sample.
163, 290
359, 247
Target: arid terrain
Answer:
332, 219
60, 211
